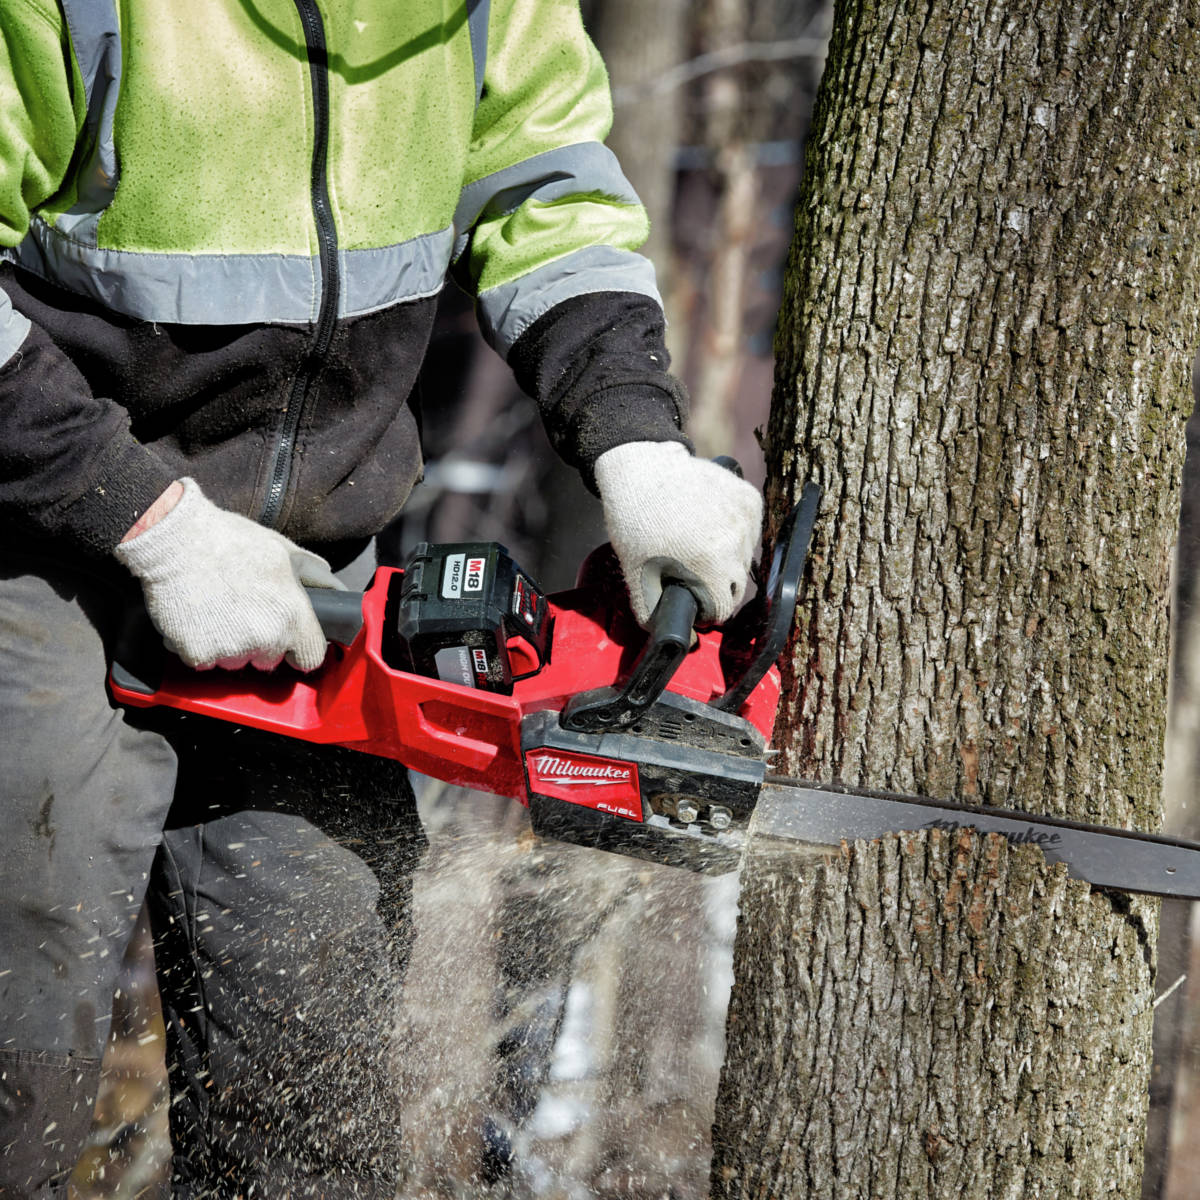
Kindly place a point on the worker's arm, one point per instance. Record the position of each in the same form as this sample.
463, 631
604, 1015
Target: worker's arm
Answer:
69, 465
218, 587
551, 229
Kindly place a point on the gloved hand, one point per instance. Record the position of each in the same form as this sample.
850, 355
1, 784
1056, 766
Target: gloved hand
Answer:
224, 591
672, 516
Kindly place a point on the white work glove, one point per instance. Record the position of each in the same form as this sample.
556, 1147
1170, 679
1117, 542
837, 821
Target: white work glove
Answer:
672, 516
224, 591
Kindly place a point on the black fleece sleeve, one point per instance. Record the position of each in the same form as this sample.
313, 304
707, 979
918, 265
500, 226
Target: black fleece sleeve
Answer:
597, 367
69, 466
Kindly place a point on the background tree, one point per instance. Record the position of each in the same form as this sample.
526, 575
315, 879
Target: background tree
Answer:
983, 355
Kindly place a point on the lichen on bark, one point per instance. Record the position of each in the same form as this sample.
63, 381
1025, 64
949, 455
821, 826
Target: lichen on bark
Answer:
983, 356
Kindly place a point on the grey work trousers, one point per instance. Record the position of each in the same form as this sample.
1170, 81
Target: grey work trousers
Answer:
277, 876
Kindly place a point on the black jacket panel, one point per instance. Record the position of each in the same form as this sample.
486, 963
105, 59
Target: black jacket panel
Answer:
102, 411
206, 402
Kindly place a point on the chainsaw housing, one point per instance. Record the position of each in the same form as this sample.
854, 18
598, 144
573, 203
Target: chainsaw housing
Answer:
644, 743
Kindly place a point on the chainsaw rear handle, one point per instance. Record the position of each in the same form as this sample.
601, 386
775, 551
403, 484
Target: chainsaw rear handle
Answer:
339, 613
138, 654
137, 664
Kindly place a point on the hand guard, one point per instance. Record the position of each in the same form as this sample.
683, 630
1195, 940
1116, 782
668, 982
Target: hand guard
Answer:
224, 591
672, 516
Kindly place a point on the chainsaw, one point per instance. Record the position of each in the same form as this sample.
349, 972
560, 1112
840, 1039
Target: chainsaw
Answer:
651, 743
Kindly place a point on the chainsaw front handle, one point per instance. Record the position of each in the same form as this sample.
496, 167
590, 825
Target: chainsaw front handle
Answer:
670, 638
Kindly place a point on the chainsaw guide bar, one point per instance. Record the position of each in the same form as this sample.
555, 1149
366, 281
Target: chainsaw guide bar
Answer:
821, 817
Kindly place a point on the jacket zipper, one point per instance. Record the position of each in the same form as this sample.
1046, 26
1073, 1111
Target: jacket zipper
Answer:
327, 247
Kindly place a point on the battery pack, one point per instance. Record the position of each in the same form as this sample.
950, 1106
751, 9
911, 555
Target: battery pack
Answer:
466, 613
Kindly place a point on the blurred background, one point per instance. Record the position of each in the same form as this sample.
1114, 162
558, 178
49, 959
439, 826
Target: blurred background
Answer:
565, 1009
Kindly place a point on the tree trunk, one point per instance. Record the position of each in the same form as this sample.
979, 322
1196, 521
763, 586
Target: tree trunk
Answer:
984, 357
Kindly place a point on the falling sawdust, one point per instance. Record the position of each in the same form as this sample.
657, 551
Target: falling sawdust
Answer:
561, 1026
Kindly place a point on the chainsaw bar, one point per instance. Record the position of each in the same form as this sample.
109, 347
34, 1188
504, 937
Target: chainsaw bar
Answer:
822, 816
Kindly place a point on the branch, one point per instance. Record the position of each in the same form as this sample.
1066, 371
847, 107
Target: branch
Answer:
720, 60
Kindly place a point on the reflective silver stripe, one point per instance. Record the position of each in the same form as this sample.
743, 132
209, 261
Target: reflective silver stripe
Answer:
412, 270
551, 175
191, 289
505, 312
477, 22
14, 328
235, 289
96, 39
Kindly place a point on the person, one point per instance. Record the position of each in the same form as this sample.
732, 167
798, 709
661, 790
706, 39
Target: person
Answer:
224, 229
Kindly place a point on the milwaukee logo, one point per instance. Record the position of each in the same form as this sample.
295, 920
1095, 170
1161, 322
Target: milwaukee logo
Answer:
554, 769
1027, 837
605, 785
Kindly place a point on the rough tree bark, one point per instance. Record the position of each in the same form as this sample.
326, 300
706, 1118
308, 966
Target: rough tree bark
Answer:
984, 358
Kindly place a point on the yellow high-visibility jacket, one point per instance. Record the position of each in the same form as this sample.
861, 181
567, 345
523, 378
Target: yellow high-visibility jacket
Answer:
280, 189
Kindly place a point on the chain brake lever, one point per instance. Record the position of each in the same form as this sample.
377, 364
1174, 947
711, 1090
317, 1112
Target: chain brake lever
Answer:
783, 587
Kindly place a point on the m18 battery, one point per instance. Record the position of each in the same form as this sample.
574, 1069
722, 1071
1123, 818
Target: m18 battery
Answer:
467, 614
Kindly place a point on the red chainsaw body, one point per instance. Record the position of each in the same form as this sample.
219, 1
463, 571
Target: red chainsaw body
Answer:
450, 731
